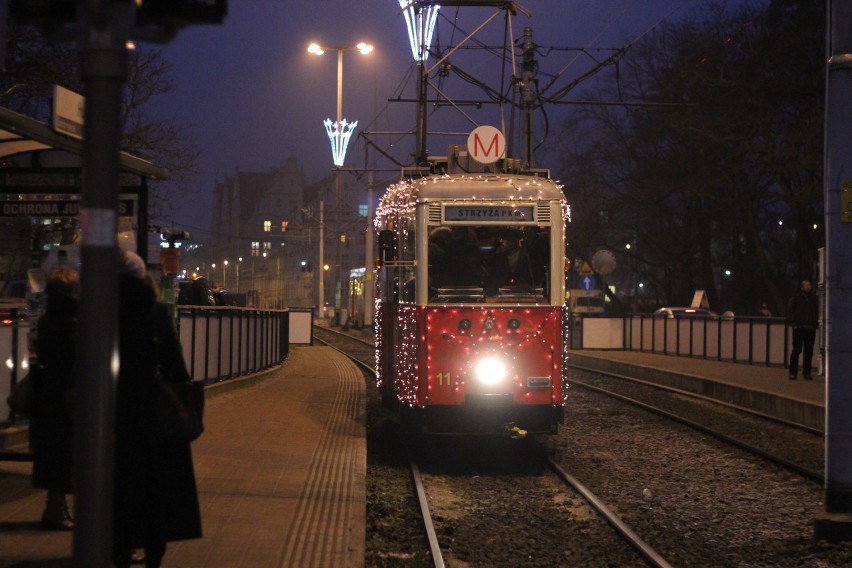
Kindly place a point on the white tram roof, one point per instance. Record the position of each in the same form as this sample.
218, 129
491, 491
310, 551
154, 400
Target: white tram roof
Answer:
400, 199
484, 186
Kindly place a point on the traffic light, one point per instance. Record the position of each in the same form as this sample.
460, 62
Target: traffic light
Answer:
49, 14
180, 12
42, 13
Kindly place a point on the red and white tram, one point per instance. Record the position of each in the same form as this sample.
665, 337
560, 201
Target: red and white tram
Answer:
470, 316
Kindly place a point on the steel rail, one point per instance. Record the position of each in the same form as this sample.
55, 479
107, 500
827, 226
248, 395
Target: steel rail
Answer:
777, 460
434, 547
429, 527
637, 543
682, 392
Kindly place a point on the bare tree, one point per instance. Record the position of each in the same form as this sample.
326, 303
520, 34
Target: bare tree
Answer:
701, 187
34, 65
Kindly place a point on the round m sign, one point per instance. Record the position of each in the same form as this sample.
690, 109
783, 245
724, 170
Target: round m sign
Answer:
486, 144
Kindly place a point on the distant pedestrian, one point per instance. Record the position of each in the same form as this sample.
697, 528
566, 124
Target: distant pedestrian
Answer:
50, 426
803, 317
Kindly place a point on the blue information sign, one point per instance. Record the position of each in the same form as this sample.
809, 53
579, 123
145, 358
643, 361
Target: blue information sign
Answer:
587, 283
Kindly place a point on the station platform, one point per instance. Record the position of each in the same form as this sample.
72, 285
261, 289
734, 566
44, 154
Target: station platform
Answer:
767, 390
281, 472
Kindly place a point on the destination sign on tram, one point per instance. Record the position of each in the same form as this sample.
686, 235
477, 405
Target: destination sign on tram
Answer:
489, 213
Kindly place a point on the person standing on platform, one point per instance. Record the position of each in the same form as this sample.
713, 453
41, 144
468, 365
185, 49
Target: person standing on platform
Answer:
156, 498
50, 426
803, 317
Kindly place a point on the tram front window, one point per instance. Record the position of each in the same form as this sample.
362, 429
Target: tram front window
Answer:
486, 263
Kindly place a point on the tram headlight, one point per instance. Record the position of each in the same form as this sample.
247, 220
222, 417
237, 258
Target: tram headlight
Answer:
491, 371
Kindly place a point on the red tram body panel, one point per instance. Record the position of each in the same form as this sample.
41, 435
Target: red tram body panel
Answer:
471, 329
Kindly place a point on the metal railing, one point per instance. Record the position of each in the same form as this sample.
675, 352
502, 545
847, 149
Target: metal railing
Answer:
219, 343
748, 340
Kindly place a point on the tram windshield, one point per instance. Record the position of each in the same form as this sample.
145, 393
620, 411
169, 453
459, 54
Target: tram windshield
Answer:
487, 263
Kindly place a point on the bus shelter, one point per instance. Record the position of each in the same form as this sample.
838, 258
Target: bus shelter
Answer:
40, 193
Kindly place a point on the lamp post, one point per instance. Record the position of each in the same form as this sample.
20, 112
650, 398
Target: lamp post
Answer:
339, 133
225, 274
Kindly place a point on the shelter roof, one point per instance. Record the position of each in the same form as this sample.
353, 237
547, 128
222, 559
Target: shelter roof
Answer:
20, 134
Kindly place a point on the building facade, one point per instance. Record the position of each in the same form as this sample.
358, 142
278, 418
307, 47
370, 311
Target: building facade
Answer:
268, 227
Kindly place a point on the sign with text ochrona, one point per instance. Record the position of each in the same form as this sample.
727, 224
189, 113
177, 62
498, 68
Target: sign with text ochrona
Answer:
57, 206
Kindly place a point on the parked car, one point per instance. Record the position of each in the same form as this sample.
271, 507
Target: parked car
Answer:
7, 304
685, 312
196, 292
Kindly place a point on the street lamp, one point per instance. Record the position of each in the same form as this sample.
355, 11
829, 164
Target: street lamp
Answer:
340, 131
225, 275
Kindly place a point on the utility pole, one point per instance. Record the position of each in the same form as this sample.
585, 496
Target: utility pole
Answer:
368, 260
103, 70
527, 94
422, 152
102, 29
836, 523
321, 267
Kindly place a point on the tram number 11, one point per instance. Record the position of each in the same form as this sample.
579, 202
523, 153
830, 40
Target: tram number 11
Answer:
442, 377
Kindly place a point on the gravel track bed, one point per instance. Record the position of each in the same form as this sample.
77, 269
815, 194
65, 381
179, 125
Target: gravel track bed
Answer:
794, 444
495, 505
697, 501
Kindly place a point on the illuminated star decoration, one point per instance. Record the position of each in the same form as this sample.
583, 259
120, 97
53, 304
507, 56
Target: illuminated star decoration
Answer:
421, 24
338, 135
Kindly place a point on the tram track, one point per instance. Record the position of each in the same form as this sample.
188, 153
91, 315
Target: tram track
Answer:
542, 514
570, 483
715, 401
732, 425
694, 498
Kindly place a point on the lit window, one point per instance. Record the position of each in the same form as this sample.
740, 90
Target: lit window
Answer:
267, 246
362, 210
284, 226
255, 248
267, 226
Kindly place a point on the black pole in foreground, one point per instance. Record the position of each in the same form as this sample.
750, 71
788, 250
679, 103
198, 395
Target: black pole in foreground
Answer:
103, 56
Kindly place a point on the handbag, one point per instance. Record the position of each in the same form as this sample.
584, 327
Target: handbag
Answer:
176, 411
22, 398
176, 406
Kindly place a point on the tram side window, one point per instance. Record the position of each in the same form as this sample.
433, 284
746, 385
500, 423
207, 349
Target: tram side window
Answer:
488, 263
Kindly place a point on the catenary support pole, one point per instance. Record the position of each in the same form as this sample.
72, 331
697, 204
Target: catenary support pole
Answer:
836, 523
320, 271
369, 260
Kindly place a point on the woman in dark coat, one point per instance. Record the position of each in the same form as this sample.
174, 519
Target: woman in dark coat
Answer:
51, 435
156, 500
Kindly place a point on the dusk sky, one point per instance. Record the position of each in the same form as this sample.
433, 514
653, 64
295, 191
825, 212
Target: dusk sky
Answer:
254, 96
